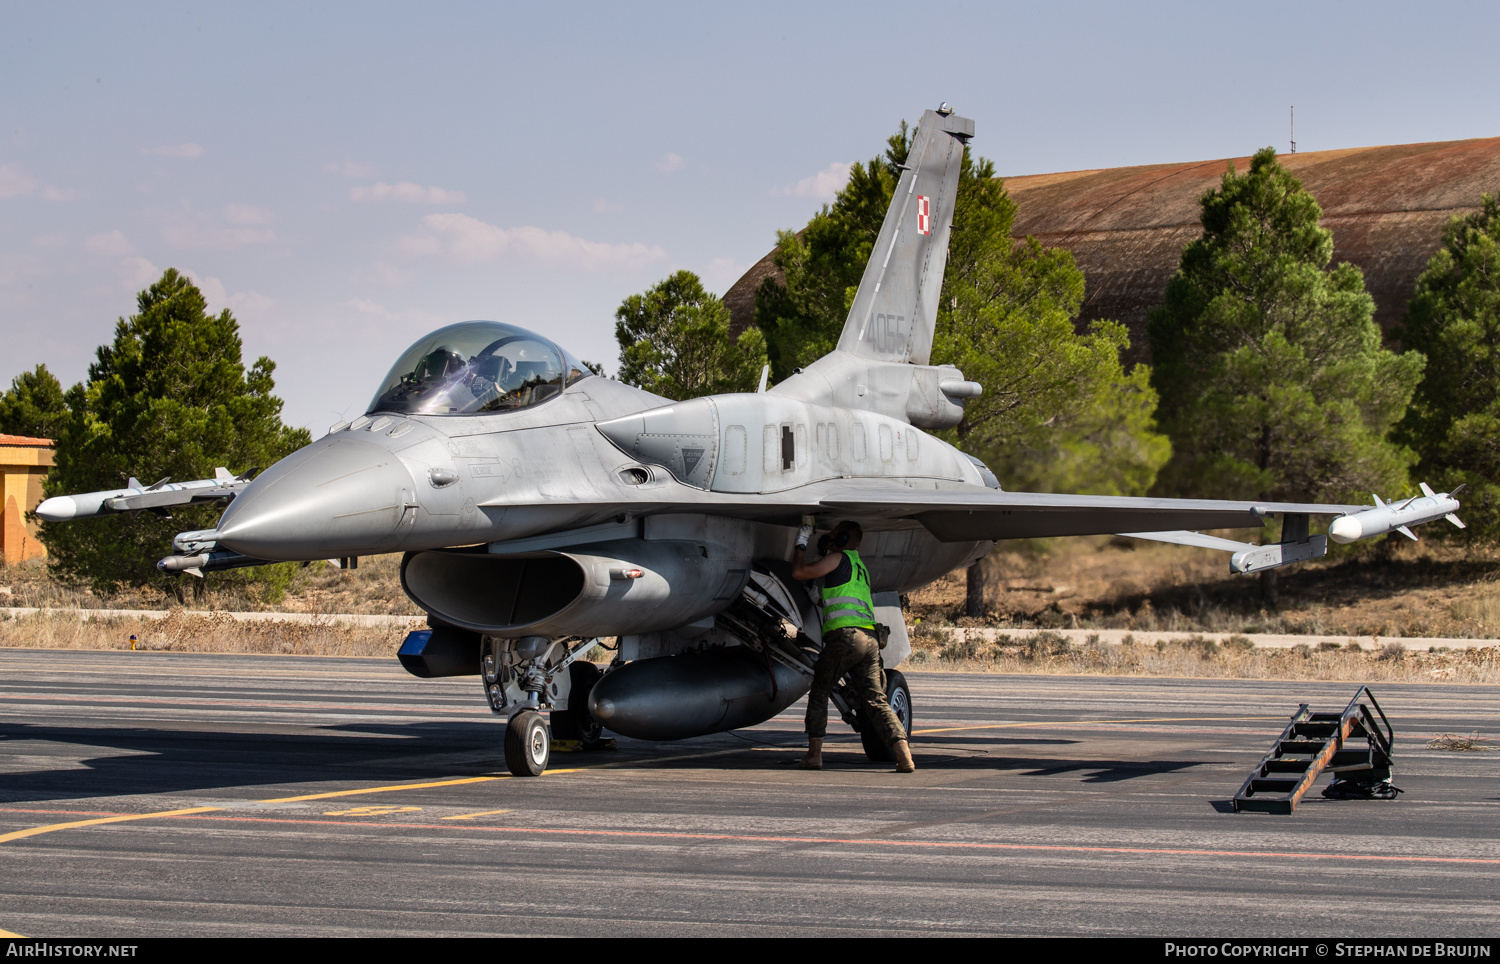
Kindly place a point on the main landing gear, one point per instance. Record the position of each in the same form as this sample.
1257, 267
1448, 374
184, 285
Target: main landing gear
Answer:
523, 678
897, 694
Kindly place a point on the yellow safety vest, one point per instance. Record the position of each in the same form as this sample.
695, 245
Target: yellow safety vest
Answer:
851, 603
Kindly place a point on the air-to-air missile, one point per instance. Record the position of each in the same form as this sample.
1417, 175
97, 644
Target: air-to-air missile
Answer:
136, 497
1397, 516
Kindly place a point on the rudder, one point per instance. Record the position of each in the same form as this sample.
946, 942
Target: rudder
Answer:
895, 309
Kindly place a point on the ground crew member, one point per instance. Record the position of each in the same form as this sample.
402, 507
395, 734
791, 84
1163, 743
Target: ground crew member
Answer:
849, 643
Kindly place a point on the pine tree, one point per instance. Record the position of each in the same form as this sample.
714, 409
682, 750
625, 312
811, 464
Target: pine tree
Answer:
1454, 318
1270, 369
802, 314
169, 398
674, 341
34, 406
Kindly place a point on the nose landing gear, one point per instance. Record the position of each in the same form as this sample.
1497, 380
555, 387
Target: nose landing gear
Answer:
524, 677
528, 744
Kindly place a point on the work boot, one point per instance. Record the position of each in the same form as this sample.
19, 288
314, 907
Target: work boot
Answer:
814, 758
901, 750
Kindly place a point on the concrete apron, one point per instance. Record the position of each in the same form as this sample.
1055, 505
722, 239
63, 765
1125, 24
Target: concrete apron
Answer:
1260, 640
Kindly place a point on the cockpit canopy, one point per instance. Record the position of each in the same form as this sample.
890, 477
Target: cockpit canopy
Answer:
476, 366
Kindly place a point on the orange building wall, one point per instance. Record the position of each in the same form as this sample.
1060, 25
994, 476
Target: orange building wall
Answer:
23, 466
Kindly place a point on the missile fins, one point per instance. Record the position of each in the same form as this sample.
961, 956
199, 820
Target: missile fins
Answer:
1396, 516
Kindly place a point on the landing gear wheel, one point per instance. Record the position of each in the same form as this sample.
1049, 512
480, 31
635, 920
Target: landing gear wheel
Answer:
528, 746
898, 695
576, 722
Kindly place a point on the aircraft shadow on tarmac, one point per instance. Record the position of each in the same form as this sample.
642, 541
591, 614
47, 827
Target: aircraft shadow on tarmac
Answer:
176, 760
1099, 771
166, 761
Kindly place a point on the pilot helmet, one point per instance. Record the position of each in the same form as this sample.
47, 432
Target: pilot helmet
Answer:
438, 364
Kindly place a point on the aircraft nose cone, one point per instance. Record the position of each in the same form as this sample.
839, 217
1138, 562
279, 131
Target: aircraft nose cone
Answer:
337, 497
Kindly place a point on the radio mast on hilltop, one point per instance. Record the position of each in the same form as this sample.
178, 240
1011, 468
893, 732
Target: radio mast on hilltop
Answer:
1294, 129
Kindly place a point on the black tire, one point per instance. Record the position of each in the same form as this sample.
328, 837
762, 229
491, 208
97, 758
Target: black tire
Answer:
576, 722
528, 745
898, 695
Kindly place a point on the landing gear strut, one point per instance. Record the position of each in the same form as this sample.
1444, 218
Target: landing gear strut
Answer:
524, 677
576, 722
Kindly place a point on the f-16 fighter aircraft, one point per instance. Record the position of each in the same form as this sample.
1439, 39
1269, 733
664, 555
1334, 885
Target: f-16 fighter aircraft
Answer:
543, 509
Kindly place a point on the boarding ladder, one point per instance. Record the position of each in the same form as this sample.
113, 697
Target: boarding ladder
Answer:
1314, 742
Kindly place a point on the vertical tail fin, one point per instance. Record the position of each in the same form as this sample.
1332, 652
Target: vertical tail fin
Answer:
895, 309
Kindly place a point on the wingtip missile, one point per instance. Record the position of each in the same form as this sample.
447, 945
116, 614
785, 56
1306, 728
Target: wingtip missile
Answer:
59, 508
136, 497
1396, 516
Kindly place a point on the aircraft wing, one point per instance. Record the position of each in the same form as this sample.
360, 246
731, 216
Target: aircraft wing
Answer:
970, 514
954, 515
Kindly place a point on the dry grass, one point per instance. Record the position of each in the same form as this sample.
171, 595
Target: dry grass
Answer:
185, 632
1415, 590
1449, 741
1051, 653
1410, 589
373, 588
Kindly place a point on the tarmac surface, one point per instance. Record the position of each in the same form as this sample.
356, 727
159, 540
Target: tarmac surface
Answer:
165, 794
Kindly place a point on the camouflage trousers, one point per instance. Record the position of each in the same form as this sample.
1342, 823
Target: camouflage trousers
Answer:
856, 652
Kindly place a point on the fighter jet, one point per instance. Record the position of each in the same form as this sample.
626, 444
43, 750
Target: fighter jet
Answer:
543, 510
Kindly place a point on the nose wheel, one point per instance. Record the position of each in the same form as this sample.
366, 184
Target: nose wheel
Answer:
528, 745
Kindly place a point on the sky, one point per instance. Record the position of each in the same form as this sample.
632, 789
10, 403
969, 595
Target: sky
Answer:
347, 177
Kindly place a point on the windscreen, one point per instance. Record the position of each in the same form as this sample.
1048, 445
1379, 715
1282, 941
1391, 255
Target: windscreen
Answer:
476, 366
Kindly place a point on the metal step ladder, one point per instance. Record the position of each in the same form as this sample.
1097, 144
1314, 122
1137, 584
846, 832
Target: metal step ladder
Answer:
1315, 742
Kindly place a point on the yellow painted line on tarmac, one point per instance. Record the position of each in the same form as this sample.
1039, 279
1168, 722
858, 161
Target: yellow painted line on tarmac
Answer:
406, 786
96, 821
11, 934
49, 828
390, 789
1164, 719
470, 816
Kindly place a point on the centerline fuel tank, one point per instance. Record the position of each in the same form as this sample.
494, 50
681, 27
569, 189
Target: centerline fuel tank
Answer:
691, 694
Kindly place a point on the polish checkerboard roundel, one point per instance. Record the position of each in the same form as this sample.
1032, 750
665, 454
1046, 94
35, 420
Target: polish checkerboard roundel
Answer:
924, 215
